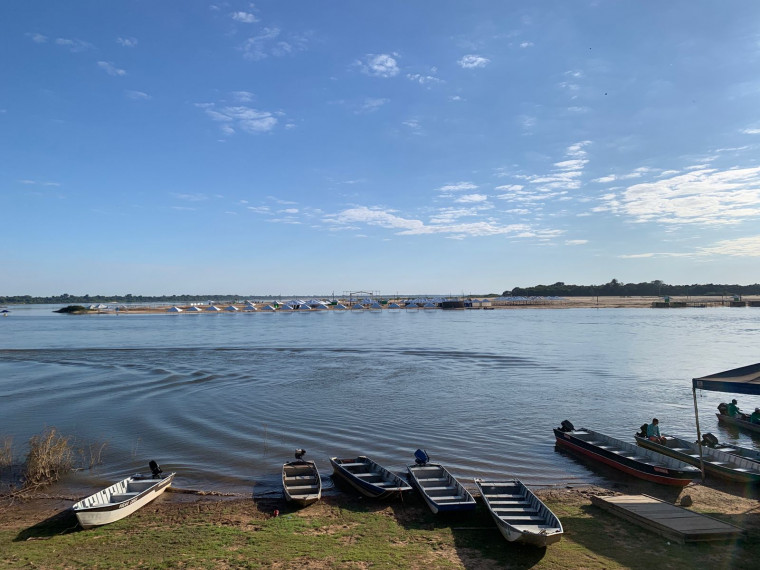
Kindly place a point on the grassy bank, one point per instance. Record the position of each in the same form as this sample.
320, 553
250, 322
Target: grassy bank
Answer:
343, 531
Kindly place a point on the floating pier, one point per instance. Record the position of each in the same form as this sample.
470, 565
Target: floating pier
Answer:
675, 523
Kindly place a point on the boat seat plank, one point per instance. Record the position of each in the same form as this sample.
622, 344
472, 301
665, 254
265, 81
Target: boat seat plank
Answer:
367, 474
522, 518
352, 464
451, 498
508, 503
432, 479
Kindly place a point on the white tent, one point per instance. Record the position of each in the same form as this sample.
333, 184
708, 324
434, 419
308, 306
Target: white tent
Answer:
174, 310
194, 309
232, 309
394, 306
268, 308
375, 305
304, 307
213, 308
250, 308
286, 308
358, 306
340, 306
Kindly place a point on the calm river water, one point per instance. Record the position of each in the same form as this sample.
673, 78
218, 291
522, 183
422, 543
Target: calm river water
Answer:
223, 399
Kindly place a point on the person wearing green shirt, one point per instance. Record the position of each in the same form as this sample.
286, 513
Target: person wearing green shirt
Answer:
755, 417
733, 409
653, 432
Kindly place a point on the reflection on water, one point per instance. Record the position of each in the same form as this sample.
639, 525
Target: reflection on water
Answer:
224, 399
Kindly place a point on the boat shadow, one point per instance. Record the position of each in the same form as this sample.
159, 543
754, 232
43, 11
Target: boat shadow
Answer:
63, 522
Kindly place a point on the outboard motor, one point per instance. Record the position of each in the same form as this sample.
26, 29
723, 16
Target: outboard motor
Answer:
709, 440
155, 469
567, 426
643, 429
723, 408
421, 457
300, 453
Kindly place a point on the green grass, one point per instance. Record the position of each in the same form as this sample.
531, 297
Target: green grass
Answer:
350, 534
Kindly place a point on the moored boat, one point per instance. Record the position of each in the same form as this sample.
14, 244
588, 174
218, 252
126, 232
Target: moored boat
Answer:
709, 440
626, 457
121, 499
368, 477
301, 483
739, 422
717, 463
440, 490
519, 514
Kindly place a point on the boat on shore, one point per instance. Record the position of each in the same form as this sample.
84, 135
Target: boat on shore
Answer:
121, 499
519, 514
440, 490
368, 477
717, 463
626, 457
301, 483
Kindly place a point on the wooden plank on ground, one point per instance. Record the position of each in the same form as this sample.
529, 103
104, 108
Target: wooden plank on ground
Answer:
673, 522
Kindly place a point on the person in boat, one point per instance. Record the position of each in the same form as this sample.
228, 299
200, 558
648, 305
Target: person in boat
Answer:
733, 409
755, 417
653, 432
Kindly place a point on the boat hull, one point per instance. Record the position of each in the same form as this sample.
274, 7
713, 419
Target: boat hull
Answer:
519, 515
301, 483
656, 474
441, 492
743, 424
99, 509
718, 464
369, 478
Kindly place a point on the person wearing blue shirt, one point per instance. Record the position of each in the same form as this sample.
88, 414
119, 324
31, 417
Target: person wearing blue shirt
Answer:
653, 432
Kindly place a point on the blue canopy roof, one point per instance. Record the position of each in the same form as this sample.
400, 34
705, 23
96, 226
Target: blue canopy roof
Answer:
744, 380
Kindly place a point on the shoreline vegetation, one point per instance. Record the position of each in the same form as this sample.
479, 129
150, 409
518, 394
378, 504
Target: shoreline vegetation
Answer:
191, 529
613, 288
480, 303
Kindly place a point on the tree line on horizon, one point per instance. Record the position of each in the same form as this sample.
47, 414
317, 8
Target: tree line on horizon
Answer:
617, 288
614, 288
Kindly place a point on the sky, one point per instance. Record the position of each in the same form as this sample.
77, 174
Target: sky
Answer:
435, 146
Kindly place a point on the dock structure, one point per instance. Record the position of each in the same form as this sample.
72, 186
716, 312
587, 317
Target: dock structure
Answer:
673, 522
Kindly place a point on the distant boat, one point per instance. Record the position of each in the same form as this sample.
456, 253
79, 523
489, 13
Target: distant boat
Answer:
369, 478
440, 490
716, 462
121, 499
519, 514
301, 482
626, 457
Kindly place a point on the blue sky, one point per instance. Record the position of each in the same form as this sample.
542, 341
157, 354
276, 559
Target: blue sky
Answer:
414, 147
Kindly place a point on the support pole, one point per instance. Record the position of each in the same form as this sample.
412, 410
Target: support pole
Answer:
699, 434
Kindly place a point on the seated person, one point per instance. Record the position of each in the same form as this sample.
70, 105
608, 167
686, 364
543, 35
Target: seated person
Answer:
653, 432
755, 417
733, 409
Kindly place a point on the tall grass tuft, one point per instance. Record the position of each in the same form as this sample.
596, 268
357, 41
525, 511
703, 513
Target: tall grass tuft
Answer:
50, 457
6, 452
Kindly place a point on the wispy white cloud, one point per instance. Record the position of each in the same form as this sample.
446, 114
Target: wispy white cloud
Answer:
576, 242
29, 182
378, 65
195, 197
244, 17
524, 45
36, 38
739, 247
272, 42
458, 187
127, 42
370, 105
242, 96
467, 198
751, 131
74, 45
138, 95
423, 79
471, 61
414, 126
111, 69
239, 117
705, 196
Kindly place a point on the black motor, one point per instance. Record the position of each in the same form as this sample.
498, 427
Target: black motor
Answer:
300, 453
723, 408
567, 426
643, 429
709, 440
155, 469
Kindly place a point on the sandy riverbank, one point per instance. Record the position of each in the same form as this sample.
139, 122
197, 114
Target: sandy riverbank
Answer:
535, 303
345, 531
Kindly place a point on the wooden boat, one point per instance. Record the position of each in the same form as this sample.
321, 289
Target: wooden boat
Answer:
441, 491
519, 514
121, 499
717, 462
369, 478
709, 440
301, 483
626, 457
739, 422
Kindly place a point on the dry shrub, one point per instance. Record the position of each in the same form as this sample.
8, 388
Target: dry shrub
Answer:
91, 455
50, 457
6, 452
